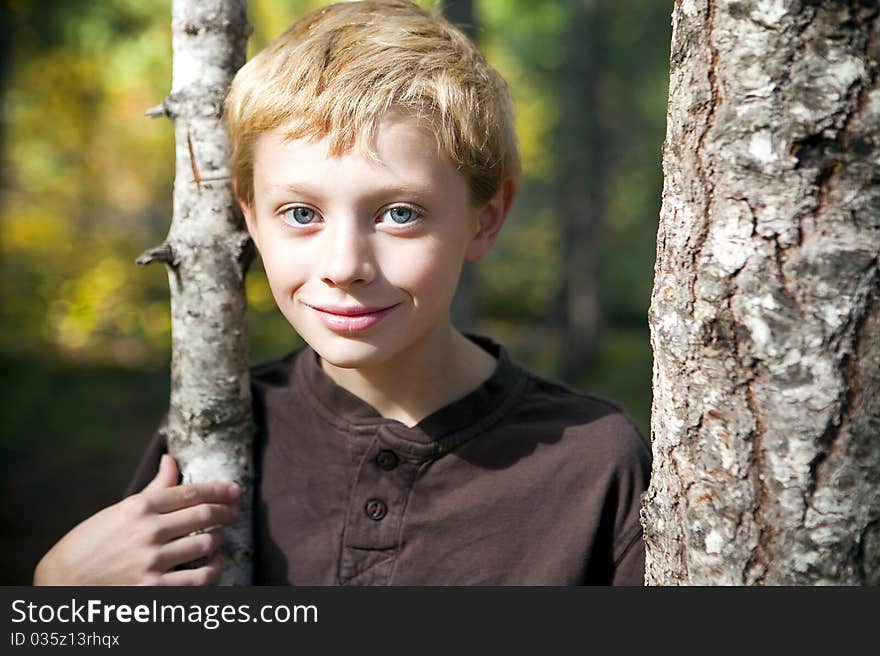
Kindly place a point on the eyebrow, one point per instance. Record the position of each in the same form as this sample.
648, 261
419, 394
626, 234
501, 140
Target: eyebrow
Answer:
304, 190
289, 188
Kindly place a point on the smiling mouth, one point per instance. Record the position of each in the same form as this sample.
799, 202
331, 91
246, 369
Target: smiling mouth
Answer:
351, 319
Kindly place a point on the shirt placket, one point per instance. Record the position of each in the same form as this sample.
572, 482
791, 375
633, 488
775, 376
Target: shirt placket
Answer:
377, 505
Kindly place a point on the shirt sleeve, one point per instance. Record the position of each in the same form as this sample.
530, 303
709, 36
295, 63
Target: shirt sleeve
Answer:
149, 464
628, 553
630, 567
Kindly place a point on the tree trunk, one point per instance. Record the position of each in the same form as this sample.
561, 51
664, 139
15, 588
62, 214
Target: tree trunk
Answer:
583, 156
765, 314
210, 428
461, 14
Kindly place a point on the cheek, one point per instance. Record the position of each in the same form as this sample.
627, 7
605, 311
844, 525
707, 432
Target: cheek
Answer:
425, 270
285, 270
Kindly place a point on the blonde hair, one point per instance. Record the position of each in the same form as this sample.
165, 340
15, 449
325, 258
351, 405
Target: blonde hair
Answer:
338, 70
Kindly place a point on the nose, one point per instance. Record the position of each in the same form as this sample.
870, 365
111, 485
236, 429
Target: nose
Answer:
346, 256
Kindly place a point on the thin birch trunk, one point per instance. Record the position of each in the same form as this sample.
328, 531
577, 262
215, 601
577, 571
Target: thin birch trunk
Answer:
765, 315
207, 251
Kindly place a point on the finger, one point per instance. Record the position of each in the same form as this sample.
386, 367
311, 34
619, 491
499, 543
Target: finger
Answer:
184, 496
176, 524
205, 575
189, 548
166, 476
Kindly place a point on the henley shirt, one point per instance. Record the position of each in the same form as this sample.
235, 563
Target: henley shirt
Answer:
520, 482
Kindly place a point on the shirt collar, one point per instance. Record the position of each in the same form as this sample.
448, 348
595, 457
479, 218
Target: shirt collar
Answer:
437, 433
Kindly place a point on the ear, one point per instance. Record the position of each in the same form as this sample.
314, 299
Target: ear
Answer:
491, 218
250, 219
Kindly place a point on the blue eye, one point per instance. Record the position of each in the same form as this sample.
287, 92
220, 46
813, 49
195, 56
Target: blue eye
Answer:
300, 215
400, 214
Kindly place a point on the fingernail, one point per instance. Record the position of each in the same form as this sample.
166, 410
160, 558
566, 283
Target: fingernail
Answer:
234, 491
236, 511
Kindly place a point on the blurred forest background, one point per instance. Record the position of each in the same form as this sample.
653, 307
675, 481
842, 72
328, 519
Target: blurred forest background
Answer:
85, 187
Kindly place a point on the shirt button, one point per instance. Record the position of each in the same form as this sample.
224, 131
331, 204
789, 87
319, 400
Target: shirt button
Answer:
387, 459
376, 509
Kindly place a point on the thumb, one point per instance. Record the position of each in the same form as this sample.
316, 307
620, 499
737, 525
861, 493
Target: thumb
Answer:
166, 476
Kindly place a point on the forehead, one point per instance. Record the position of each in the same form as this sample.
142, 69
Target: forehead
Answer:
404, 153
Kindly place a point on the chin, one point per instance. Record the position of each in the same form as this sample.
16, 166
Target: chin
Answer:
349, 353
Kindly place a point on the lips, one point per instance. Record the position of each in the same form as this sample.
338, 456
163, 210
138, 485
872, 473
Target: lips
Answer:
350, 319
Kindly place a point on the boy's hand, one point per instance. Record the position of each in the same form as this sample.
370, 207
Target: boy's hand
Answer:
141, 539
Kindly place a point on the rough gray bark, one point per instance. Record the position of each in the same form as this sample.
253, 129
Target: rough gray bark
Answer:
207, 251
765, 315
463, 311
583, 155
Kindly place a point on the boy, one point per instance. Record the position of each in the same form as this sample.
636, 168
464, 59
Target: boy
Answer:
374, 153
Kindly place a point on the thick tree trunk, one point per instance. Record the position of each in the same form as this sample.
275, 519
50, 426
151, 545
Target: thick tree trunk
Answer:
207, 251
765, 315
583, 155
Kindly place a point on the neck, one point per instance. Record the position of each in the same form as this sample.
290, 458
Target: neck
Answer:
440, 369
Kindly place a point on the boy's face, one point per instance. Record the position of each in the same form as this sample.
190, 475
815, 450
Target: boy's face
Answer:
363, 257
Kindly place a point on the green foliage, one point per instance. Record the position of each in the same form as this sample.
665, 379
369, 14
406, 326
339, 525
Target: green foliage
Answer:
81, 187
521, 39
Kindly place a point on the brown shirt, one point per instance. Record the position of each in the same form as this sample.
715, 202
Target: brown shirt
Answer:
521, 482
